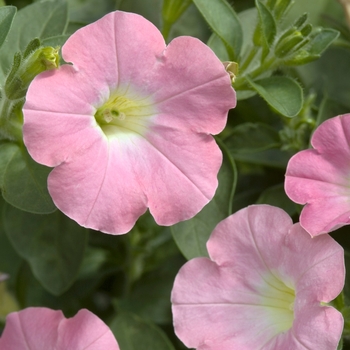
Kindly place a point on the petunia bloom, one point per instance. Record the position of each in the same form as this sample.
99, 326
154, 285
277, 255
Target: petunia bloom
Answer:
320, 178
45, 329
128, 124
265, 287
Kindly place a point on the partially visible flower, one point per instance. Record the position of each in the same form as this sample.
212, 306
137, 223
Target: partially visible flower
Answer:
320, 178
45, 329
266, 286
128, 124
346, 6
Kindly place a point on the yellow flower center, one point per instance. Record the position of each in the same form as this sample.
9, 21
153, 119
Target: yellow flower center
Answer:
278, 299
125, 113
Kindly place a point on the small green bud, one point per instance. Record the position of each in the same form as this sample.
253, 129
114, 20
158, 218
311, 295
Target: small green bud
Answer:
306, 30
300, 57
282, 8
300, 21
24, 70
284, 47
45, 58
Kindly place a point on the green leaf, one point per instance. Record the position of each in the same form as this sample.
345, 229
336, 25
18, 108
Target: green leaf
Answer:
7, 151
283, 94
252, 137
25, 183
224, 22
276, 196
322, 40
149, 297
52, 244
274, 158
41, 20
54, 41
266, 22
328, 109
134, 333
192, 235
10, 261
218, 46
7, 14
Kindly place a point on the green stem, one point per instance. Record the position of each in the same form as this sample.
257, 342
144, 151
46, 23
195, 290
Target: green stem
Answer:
10, 128
241, 83
249, 58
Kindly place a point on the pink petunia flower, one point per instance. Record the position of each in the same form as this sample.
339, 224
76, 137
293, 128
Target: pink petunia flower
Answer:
128, 124
320, 178
264, 287
45, 329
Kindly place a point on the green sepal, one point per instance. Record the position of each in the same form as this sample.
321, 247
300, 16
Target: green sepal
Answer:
31, 47
17, 59
15, 90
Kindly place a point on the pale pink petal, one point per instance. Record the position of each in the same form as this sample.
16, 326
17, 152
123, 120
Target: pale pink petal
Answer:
121, 47
210, 312
172, 166
59, 122
320, 178
85, 331
182, 100
324, 324
310, 175
332, 138
249, 237
325, 215
42, 328
156, 69
262, 289
100, 190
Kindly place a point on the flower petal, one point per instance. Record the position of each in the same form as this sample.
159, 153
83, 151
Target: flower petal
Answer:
320, 178
325, 324
125, 47
42, 328
266, 273
59, 122
100, 190
200, 103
